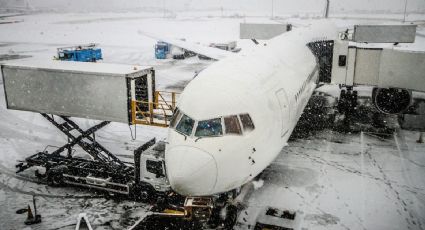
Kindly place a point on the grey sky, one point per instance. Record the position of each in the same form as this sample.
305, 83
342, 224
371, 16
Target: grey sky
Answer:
248, 7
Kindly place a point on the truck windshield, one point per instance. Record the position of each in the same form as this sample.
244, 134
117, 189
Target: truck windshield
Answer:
209, 128
155, 167
185, 125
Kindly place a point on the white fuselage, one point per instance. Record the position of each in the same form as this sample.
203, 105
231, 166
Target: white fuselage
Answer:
272, 83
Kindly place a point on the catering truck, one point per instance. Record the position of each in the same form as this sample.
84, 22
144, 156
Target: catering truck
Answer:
106, 92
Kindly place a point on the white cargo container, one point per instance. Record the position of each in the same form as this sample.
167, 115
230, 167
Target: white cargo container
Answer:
384, 33
100, 91
262, 31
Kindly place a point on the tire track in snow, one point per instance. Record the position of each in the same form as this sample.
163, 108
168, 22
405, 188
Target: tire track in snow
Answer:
17, 183
409, 218
403, 157
346, 169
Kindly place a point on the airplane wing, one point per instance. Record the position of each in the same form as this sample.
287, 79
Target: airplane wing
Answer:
213, 53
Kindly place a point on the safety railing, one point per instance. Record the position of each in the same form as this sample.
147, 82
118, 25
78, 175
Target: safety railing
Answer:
156, 113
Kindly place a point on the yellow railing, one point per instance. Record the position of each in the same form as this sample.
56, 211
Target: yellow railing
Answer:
158, 113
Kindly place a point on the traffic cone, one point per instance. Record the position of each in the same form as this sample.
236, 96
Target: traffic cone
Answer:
30, 217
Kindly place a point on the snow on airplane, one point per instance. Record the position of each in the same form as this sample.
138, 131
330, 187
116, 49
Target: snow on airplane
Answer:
234, 118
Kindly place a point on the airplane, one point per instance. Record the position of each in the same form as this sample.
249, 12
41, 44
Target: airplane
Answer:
234, 118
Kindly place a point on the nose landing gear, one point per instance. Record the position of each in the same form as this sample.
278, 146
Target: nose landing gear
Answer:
224, 217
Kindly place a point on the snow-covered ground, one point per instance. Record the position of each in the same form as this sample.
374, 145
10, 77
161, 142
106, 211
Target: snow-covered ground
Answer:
353, 181
337, 181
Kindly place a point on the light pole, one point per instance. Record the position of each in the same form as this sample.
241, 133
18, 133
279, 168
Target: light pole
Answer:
405, 8
327, 8
272, 8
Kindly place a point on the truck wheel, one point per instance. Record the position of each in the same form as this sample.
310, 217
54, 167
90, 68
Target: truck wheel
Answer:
144, 196
39, 175
145, 193
55, 175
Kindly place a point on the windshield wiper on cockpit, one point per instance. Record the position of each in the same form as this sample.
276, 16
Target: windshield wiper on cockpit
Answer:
185, 137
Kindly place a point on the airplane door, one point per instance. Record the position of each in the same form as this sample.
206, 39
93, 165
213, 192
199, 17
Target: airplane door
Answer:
284, 110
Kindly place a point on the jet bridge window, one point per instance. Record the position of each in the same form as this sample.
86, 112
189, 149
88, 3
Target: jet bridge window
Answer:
246, 122
232, 126
209, 128
185, 125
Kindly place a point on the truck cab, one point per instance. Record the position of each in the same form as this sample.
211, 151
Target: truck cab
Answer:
162, 49
152, 167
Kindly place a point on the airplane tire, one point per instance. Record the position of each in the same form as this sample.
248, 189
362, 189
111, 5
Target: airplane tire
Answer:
230, 218
215, 219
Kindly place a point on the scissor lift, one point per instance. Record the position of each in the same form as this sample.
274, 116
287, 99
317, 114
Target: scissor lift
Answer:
63, 168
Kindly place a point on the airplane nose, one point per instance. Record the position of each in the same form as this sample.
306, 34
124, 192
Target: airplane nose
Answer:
191, 171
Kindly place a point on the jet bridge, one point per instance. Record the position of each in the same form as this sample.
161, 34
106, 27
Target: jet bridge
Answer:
364, 64
361, 58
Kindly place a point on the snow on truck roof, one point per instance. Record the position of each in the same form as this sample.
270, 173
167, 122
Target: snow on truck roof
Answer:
88, 67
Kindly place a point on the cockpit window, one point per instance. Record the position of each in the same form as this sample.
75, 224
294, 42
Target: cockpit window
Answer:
246, 122
232, 126
209, 128
185, 125
175, 118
